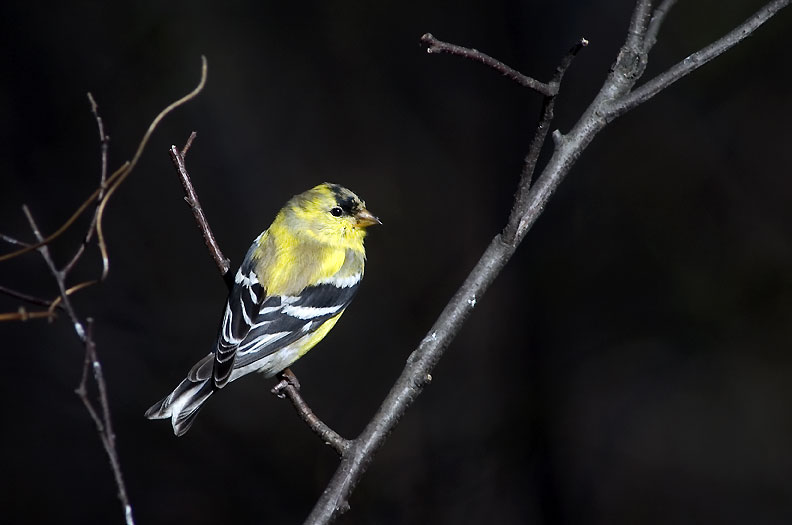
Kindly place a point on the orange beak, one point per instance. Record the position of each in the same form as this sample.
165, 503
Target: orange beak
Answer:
365, 218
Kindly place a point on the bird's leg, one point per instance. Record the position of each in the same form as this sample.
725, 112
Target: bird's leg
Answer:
287, 378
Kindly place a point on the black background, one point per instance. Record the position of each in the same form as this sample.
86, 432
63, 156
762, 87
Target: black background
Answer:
630, 365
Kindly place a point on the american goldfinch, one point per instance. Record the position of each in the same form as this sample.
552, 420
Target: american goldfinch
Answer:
296, 280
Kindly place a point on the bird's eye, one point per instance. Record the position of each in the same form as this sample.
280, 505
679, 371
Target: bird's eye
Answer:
336, 212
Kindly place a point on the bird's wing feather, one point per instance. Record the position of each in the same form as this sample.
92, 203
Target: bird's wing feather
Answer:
255, 325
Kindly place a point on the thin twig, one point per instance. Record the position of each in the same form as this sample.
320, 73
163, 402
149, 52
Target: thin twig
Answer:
433, 45
25, 297
114, 180
66, 225
104, 145
43, 249
289, 387
23, 315
11, 240
112, 187
191, 198
537, 143
103, 421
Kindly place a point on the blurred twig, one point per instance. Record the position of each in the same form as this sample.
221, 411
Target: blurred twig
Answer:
614, 98
104, 425
84, 330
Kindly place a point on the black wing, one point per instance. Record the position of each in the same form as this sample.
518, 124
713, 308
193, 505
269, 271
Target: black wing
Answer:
255, 326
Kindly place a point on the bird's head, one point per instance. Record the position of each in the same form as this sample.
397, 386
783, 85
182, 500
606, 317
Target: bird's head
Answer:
331, 214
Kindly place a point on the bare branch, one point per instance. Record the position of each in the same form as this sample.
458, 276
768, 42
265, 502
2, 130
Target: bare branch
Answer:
629, 66
44, 251
434, 45
654, 24
191, 198
23, 315
289, 387
537, 143
25, 297
695, 61
112, 187
103, 421
113, 181
104, 145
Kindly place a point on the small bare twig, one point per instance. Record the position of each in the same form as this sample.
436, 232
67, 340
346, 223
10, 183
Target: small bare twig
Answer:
433, 45
191, 198
113, 182
25, 297
537, 143
43, 249
23, 315
104, 145
289, 385
103, 421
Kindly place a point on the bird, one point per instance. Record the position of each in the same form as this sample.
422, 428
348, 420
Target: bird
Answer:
295, 282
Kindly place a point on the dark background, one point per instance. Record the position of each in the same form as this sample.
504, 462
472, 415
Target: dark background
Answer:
630, 365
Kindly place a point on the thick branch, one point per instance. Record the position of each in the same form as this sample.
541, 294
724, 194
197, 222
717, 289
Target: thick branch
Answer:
695, 61
417, 372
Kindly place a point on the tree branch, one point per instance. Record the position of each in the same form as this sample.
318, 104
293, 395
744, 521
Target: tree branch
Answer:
104, 425
191, 198
650, 38
695, 61
537, 143
434, 45
629, 66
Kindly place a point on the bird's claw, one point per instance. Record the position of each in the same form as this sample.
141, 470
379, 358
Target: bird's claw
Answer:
287, 378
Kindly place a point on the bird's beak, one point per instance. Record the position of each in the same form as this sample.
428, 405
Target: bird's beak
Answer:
365, 218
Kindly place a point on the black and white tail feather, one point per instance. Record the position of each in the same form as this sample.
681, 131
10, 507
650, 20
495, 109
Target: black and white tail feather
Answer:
258, 333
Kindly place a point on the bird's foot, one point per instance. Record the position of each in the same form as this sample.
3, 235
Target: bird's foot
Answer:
287, 379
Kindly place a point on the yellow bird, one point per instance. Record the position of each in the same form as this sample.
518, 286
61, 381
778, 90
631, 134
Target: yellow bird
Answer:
296, 280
